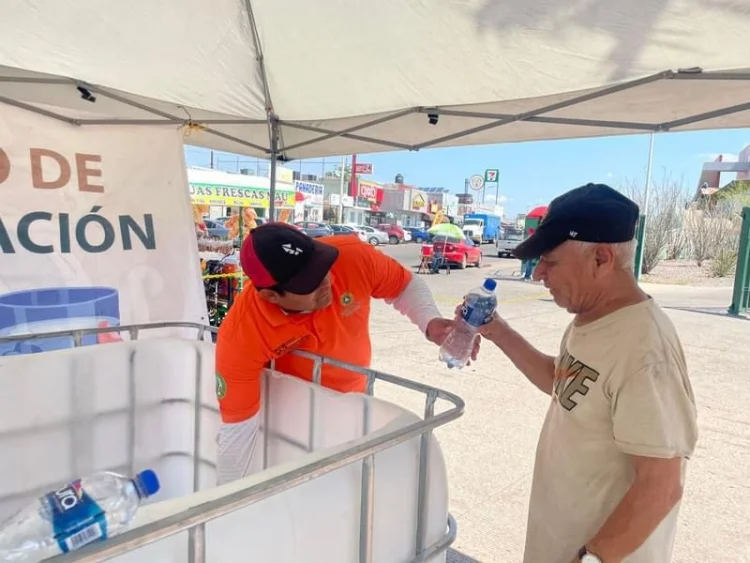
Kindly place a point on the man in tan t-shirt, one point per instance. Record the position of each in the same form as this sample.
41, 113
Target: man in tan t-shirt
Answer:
610, 463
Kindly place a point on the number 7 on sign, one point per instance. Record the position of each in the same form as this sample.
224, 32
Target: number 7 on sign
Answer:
490, 176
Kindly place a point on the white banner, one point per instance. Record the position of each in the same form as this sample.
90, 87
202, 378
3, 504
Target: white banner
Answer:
96, 229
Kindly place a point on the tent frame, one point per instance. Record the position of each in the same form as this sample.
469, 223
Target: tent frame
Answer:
277, 150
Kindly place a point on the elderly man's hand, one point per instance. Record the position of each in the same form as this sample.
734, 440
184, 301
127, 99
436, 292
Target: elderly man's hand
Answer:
493, 330
438, 330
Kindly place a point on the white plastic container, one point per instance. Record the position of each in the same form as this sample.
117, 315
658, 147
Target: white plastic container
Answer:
75, 412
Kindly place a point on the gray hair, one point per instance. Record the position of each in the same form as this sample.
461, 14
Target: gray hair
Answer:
624, 251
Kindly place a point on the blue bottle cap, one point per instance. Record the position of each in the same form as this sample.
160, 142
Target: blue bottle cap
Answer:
148, 482
489, 284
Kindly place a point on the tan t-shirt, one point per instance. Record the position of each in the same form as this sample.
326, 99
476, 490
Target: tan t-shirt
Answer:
622, 388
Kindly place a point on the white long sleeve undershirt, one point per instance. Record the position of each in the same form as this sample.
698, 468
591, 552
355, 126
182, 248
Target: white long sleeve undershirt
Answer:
417, 303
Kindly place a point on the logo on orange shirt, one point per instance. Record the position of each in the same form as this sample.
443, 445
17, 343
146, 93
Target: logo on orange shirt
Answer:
221, 386
348, 305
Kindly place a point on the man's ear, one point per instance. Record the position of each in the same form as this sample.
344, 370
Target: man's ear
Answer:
604, 256
269, 295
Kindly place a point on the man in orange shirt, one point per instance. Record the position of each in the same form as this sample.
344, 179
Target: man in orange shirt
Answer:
306, 294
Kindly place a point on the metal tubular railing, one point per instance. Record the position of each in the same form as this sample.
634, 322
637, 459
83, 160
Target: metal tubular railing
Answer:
194, 519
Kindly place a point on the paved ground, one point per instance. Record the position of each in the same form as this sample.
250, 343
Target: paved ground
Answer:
489, 451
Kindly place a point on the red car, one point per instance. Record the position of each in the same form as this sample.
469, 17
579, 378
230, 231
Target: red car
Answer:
461, 252
394, 232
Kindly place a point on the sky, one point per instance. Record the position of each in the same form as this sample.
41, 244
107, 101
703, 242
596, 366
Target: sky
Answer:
532, 173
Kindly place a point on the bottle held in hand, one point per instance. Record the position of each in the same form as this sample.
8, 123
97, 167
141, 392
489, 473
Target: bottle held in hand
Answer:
478, 307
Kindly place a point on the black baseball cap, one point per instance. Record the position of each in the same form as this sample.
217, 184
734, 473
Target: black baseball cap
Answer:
591, 213
281, 256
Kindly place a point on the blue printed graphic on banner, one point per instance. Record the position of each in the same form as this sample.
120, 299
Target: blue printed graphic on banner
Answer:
52, 309
77, 520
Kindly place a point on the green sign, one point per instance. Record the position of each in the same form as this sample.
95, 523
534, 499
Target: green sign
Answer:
491, 175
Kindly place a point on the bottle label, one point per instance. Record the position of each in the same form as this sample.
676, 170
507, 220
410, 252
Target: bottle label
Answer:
77, 520
477, 315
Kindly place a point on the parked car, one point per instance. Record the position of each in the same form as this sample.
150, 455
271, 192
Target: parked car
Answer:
314, 229
347, 230
460, 252
374, 236
215, 229
418, 235
395, 232
508, 242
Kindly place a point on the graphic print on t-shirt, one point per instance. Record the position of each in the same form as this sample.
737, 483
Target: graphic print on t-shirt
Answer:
572, 379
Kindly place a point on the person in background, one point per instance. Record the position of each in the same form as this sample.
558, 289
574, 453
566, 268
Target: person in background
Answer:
305, 294
621, 424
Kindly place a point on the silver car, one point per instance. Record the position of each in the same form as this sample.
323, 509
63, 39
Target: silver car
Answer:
373, 236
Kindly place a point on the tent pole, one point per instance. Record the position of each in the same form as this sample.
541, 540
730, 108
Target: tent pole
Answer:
644, 211
272, 175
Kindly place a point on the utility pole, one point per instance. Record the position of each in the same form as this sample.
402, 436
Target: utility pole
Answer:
341, 190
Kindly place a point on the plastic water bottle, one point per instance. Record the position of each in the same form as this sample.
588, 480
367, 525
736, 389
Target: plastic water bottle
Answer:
477, 310
82, 512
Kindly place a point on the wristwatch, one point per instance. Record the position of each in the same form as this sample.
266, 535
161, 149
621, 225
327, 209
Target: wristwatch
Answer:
585, 556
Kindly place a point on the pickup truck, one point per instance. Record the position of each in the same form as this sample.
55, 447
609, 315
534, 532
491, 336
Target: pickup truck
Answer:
508, 242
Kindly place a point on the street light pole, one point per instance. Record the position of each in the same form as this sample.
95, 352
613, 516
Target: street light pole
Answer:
341, 190
644, 211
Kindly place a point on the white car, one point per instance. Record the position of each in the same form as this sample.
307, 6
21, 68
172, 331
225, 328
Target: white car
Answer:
373, 236
361, 234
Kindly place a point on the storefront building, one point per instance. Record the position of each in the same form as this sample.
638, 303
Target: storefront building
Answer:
221, 192
407, 206
309, 201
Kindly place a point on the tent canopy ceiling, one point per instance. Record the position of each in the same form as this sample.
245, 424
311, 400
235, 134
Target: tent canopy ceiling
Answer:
323, 78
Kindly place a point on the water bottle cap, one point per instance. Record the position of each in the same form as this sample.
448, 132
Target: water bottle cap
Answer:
489, 284
149, 482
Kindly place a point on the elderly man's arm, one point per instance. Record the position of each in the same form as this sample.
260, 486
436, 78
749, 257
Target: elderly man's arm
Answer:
538, 367
656, 490
654, 423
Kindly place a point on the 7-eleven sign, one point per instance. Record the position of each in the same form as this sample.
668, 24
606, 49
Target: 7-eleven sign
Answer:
490, 176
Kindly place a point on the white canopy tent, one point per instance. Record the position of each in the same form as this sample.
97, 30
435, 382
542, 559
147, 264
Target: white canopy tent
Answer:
292, 79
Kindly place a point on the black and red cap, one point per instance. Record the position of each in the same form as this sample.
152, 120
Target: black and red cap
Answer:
278, 255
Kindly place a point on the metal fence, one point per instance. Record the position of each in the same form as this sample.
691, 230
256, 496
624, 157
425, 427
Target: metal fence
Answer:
194, 519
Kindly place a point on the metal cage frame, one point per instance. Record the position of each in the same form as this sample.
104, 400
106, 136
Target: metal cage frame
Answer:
193, 520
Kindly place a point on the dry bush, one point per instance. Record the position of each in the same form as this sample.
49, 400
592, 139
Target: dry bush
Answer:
666, 205
713, 229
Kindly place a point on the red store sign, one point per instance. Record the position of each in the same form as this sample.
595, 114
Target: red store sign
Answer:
371, 192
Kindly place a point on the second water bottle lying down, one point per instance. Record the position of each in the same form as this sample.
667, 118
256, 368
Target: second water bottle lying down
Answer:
479, 305
82, 512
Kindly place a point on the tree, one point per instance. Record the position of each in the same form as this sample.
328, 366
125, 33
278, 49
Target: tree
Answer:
336, 172
664, 216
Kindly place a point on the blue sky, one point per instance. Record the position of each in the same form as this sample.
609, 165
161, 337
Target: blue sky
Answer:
532, 173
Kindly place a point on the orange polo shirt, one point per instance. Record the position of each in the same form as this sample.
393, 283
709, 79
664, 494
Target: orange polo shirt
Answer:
254, 332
